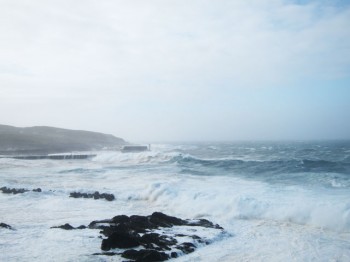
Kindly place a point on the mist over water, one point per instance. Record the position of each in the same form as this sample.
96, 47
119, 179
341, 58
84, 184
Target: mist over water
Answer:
277, 201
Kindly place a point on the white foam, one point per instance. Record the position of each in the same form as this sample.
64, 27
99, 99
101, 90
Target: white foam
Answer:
266, 222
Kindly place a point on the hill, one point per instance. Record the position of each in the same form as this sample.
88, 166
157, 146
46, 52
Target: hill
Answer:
48, 140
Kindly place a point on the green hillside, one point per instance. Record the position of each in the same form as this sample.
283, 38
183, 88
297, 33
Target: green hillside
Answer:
46, 140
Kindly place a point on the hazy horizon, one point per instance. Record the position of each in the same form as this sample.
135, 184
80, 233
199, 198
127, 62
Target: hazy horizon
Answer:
178, 70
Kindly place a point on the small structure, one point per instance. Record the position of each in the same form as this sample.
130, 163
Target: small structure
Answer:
135, 148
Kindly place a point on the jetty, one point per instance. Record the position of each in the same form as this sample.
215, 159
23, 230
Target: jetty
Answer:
53, 157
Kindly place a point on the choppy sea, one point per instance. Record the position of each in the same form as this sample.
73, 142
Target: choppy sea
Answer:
277, 201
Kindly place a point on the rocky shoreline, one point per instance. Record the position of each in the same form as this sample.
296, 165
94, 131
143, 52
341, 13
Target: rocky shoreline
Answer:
149, 238
95, 195
156, 237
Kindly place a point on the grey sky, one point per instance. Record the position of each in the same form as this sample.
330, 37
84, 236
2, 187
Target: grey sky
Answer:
178, 70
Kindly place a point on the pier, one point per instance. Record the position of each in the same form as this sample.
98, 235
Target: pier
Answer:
53, 157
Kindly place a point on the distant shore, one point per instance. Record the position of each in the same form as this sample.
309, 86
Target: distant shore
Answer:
44, 140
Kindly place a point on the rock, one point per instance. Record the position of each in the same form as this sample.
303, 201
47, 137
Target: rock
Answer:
145, 255
108, 197
120, 219
162, 220
157, 241
95, 195
203, 223
140, 223
7, 190
186, 247
65, 226
6, 226
69, 227
106, 254
121, 238
15, 191
155, 237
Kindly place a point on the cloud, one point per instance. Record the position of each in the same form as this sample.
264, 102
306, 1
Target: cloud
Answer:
162, 55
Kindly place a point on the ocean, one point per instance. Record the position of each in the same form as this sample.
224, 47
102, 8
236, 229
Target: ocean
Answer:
277, 201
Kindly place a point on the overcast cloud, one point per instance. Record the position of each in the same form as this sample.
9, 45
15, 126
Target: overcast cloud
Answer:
178, 70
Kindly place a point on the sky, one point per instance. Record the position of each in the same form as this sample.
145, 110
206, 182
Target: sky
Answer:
178, 70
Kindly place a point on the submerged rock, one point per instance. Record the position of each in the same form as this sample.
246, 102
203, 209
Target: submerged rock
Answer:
96, 195
15, 191
3, 225
7, 190
69, 227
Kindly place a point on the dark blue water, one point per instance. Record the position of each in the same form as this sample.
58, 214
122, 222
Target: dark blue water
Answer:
325, 163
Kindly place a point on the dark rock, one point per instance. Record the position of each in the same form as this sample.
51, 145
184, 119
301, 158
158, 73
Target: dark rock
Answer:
140, 223
65, 226
6, 226
162, 220
7, 190
145, 255
161, 242
74, 194
124, 232
69, 227
95, 195
96, 224
203, 223
106, 254
121, 238
120, 219
108, 197
186, 247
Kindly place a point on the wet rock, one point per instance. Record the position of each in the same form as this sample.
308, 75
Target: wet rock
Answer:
3, 225
161, 220
15, 191
151, 238
106, 254
108, 197
145, 255
204, 223
95, 195
65, 226
186, 247
126, 232
142, 224
69, 227
121, 238
157, 241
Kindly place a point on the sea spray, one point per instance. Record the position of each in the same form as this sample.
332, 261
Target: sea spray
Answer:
277, 201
